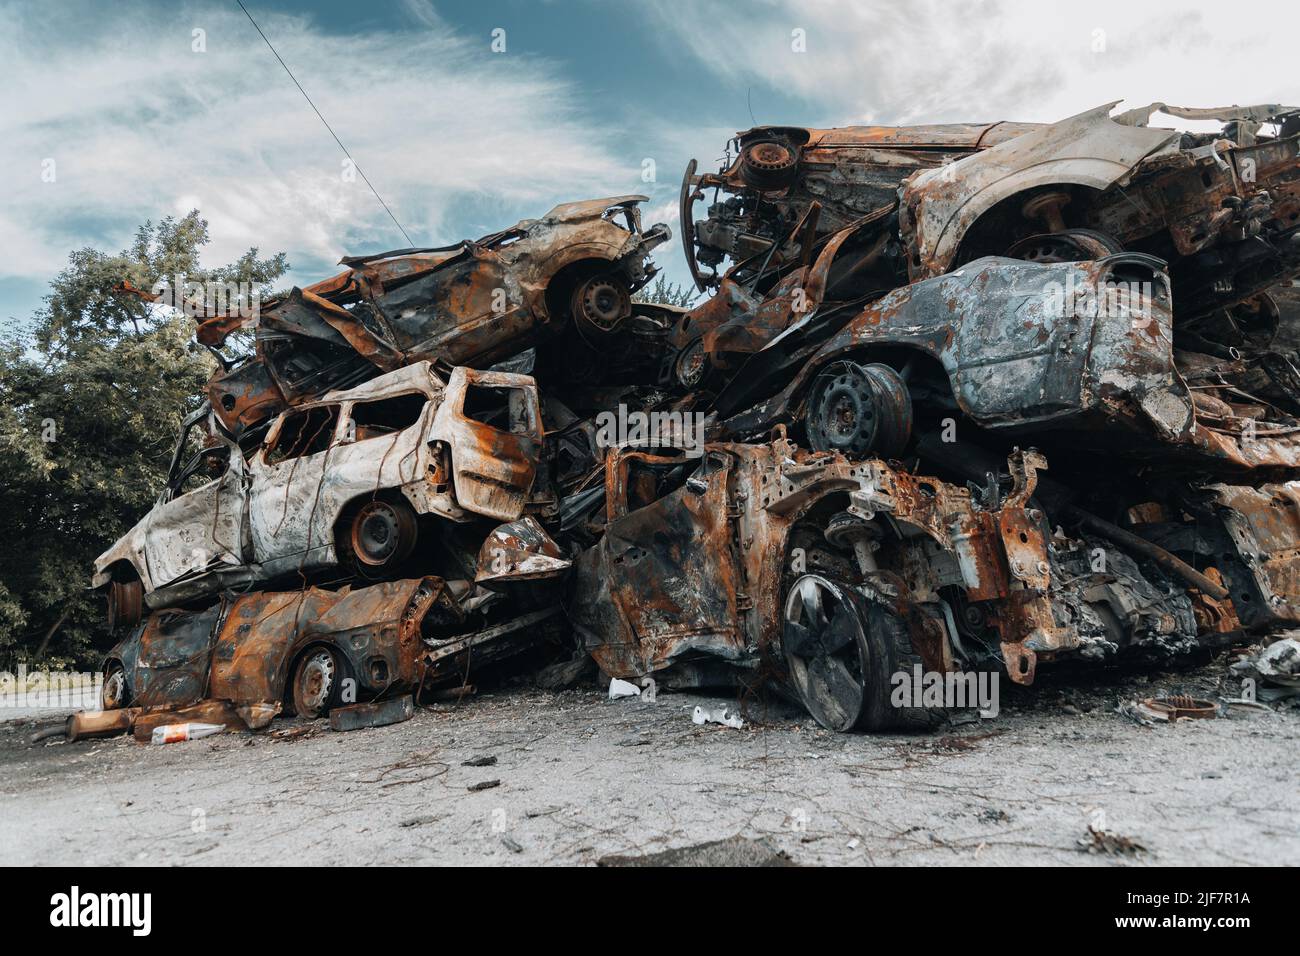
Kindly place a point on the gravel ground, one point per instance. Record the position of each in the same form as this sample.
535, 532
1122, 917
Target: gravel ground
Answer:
573, 778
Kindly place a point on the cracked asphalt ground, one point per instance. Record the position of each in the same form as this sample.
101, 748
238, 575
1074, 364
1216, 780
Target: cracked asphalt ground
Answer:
581, 778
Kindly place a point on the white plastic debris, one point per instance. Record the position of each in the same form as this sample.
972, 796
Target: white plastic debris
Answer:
621, 688
719, 716
175, 733
1279, 663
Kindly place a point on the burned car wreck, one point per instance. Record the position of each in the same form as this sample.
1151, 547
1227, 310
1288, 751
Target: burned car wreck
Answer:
562, 282
345, 481
972, 398
1221, 210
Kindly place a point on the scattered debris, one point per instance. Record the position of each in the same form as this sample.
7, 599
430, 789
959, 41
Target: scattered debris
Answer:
1279, 663
619, 689
176, 733
1177, 707
294, 733
565, 674
213, 712
719, 715
375, 714
485, 785
423, 820
1113, 844
487, 760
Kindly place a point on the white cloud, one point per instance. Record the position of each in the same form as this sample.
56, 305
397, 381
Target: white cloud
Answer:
927, 61
139, 126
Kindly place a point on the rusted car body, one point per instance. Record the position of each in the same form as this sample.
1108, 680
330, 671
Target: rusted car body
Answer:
566, 277
914, 322
303, 652
342, 480
1223, 209
1176, 443
812, 558
1085, 349
778, 172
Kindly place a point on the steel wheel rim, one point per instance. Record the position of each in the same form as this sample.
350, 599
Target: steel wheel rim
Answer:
845, 416
377, 533
315, 681
113, 694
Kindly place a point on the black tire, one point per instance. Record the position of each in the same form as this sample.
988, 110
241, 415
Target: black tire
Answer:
843, 673
125, 603
859, 411
316, 684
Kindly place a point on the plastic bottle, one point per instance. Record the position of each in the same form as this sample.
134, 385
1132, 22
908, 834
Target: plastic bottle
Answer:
174, 733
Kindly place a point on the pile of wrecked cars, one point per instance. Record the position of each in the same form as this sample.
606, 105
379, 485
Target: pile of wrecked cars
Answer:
970, 397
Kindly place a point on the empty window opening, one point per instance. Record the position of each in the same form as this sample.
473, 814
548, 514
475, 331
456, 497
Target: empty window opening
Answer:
386, 416
304, 433
504, 408
203, 469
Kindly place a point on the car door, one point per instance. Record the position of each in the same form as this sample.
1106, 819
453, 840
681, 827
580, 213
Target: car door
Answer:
200, 526
380, 446
664, 577
287, 476
492, 422
1022, 341
169, 661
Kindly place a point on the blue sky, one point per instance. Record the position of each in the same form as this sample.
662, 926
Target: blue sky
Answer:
461, 140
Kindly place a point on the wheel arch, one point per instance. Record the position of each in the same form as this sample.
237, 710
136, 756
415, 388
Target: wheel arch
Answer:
955, 237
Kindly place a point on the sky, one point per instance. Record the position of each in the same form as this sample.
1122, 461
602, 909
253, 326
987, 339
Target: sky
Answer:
470, 115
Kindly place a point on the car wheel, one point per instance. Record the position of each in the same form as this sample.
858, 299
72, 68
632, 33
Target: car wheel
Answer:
125, 603
317, 683
382, 536
600, 304
768, 165
114, 695
859, 410
841, 652
1069, 245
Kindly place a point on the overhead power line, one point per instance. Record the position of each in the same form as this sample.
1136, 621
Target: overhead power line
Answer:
355, 164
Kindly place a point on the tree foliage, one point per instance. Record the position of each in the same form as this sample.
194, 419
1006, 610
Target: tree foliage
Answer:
663, 292
92, 393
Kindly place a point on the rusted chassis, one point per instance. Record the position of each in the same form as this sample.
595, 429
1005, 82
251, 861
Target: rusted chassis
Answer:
692, 584
244, 648
470, 304
695, 587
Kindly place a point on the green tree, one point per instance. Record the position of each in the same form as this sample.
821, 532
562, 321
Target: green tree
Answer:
92, 393
666, 293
